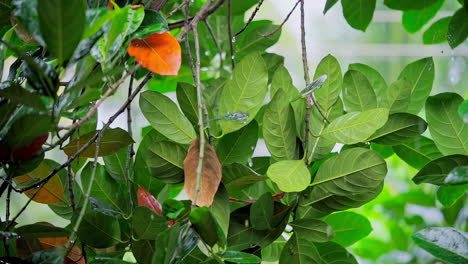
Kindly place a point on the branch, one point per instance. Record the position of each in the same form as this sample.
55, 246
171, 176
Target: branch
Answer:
251, 18
231, 38
130, 152
179, 7
282, 24
216, 42
204, 12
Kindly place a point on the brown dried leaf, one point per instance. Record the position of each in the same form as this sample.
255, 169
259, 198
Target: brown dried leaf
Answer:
211, 173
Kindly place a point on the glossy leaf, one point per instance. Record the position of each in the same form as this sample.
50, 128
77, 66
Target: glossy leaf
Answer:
420, 76
19, 95
166, 118
329, 92
299, 250
408, 5
252, 41
159, 53
436, 171
447, 128
26, 12
282, 81
358, 13
397, 97
165, 160
449, 195
99, 230
146, 199
399, 128
261, 212
62, 24
414, 20
147, 224
245, 92
418, 151
373, 76
316, 84
448, 244
176, 246
112, 140
463, 111
348, 227
116, 164
238, 146
206, 226
358, 94
210, 176
289, 175
187, 99
457, 29
458, 175
279, 128
312, 230
437, 32
240, 257
356, 127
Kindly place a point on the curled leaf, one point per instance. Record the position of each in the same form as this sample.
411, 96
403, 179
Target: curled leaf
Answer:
159, 53
210, 177
235, 117
313, 86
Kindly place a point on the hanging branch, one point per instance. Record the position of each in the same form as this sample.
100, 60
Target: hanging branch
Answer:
130, 152
282, 24
179, 7
216, 42
231, 39
251, 18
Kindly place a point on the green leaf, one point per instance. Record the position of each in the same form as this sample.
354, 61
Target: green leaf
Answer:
282, 81
104, 188
353, 171
312, 230
348, 227
279, 128
436, 171
18, 95
237, 176
356, 127
397, 97
252, 41
420, 76
289, 175
245, 92
116, 164
299, 251
446, 243
177, 244
409, 5
272, 252
22, 134
329, 4
41, 229
417, 152
153, 22
399, 128
206, 226
437, 32
143, 251
447, 128
187, 99
414, 20
238, 146
166, 118
358, 94
220, 209
26, 12
358, 13
384, 151
112, 140
5, 12
146, 224
463, 111
373, 76
261, 212
299, 109
99, 230
449, 195
329, 92
165, 160
62, 24
334, 253
240, 257
458, 175
316, 84
458, 28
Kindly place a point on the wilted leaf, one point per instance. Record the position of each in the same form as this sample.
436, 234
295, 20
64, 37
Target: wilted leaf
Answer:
210, 177
146, 199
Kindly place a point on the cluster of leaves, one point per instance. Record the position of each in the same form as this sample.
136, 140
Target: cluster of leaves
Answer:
284, 207
416, 14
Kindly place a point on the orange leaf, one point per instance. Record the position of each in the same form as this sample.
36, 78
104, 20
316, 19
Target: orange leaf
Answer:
159, 53
146, 199
211, 173
51, 193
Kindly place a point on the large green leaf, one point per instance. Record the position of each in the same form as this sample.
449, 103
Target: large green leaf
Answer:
207, 227
446, 243
99, 230
272, 252
312, 230
279, 129
166, 118
62, 23
358, 94
289, 175
447, 128
420, 76
261, 212
245, 92
437, 32
449, 195
251, 40
187, 99
299, 251
353, 171
143, 251
116, 164
220, 209
458, 28
436, 171
282, 81
348, 227
238, 146
165, 160
373, 76
417, 152
358, 13
399, 128
409, 5
146, 224
397, 97
329, 92
177, 244
332, 253
356, 127
414, 20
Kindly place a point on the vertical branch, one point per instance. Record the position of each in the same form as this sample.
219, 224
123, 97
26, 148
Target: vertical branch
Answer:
231, 38
216, 42
131, 152
7, 218
70, 186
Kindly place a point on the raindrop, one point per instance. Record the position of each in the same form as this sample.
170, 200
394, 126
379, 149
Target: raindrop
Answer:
207, 53
233, 40
457, 66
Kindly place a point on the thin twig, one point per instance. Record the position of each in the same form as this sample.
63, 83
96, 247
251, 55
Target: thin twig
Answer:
216, 42
70, 187
282, 24
7, 218
251, 18
179, 7
130, 152
205, 11
231, 39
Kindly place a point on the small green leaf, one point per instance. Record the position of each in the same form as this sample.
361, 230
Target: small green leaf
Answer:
166, 118
240, 257
116, 164
358, 13
358, 94
261, 212
437, 32
289, 175
282, 81
436, 171
312, 230
458, 28
187, 99
356, 127
399, 128
329, 4
329, 92
348, 227
153, 22
397, 97
417, 152
146, 224
316, 84
414, 20
446, 243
